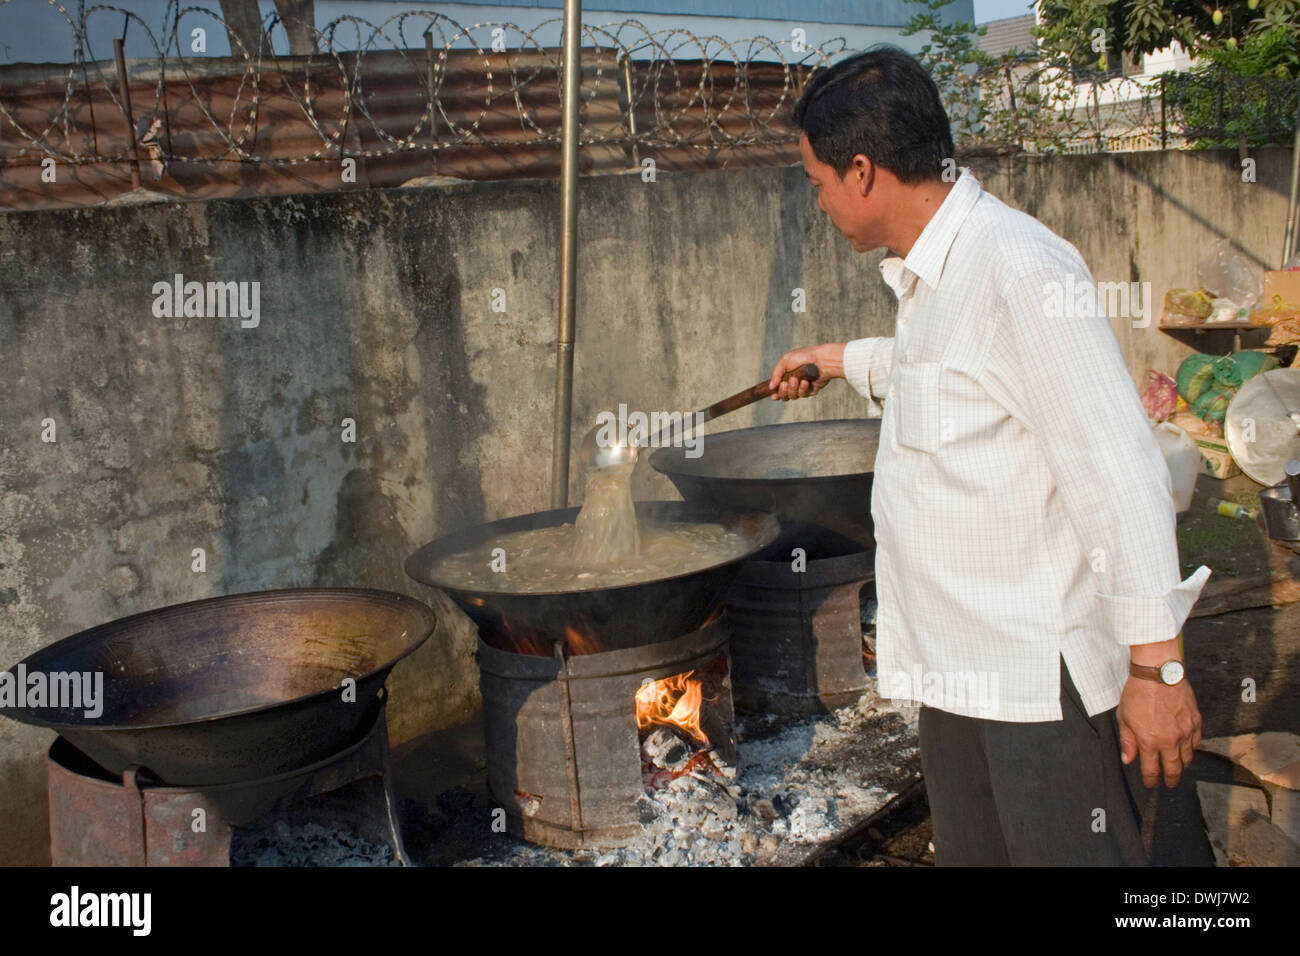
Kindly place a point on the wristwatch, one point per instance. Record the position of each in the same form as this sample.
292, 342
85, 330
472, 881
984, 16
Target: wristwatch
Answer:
1168, 673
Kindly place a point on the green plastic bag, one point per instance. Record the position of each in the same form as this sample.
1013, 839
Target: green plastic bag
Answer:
1207, 382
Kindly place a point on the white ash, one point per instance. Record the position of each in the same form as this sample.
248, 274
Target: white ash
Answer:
800, 783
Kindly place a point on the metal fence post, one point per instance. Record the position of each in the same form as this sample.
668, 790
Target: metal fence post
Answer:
126, 110
433, 100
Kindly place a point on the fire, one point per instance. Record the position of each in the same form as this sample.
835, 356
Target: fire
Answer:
577, 642
674, 700
522, 640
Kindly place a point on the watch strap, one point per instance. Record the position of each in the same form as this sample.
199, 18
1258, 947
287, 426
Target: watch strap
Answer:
1149, 672
1145, 671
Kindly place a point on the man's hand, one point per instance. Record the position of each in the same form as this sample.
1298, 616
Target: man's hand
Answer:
828, 358
1162, 724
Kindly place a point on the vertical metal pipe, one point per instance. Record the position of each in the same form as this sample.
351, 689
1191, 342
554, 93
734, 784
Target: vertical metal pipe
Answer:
631, 109
126, 110
433, 99
568, 254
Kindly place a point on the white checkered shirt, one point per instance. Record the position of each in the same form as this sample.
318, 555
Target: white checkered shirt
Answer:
1023, 509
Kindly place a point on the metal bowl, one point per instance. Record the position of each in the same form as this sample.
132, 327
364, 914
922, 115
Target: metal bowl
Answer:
233, 688
1281, 517
818, 472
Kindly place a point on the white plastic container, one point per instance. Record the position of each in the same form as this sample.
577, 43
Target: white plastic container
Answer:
1183, 460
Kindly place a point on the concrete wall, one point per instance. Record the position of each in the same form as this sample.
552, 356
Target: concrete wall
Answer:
174, 434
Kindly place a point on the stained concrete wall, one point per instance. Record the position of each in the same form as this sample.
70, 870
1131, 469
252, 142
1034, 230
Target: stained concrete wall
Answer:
174, 434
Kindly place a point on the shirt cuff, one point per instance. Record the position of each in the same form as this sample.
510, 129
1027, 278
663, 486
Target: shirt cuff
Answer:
1142, 619
866, 368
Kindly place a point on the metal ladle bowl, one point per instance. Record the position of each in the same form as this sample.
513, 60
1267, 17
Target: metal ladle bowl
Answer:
593, 453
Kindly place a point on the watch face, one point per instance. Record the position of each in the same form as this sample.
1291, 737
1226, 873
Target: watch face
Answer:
1171, 672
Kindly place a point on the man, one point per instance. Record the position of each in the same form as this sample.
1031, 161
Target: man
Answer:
1026, 566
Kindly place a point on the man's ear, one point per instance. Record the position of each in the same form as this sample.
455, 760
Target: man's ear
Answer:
863, 174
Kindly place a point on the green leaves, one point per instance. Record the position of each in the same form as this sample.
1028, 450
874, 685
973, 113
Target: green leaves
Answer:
1144, 26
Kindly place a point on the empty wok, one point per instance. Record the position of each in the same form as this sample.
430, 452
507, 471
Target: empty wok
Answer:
818, 472
232, 688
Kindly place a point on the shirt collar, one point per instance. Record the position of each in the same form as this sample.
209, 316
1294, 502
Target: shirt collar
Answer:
926, 259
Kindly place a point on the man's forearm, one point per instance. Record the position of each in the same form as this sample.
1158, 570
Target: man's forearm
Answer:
1153, 655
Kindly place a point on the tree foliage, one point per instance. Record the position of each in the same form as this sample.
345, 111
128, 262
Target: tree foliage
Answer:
952, 56
1069, 28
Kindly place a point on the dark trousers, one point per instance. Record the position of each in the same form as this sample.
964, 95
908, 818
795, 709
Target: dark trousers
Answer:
1032, 794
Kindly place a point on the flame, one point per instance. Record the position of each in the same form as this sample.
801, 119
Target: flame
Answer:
713, 615
578, 642
523, 640
674, 700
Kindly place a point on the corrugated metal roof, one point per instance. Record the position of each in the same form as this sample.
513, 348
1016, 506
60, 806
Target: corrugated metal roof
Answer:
220, 130
1008, 34
886, 13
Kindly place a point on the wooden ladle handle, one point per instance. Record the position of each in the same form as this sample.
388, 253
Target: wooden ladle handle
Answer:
809, 372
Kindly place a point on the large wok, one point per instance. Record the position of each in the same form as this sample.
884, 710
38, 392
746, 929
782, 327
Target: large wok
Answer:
605, 619
232, 688
817, 472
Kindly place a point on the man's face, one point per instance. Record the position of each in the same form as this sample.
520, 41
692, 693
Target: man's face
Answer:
842, 198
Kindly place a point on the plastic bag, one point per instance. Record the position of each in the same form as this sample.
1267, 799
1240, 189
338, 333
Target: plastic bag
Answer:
1286, 332
1186, 307
1208, 383
1275, 313
1227, 273
1160, 397
1225, 310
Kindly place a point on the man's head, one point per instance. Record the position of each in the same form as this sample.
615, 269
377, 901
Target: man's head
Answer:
873, 127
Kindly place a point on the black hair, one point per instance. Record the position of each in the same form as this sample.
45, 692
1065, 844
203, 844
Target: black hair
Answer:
882, 104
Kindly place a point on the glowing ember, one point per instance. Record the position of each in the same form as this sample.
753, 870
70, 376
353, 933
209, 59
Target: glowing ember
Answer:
674, 700
577, 642
523, 640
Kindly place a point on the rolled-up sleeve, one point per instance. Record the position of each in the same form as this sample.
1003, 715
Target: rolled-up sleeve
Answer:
1069, 378
866, 368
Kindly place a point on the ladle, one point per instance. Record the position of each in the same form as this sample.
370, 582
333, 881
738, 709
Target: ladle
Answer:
592, 453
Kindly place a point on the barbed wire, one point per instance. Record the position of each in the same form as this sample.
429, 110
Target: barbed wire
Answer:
672, 87
1047, 106
421, 82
